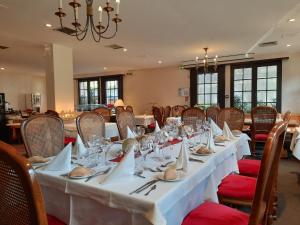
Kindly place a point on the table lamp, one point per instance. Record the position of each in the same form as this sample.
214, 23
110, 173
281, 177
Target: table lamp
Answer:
119, 102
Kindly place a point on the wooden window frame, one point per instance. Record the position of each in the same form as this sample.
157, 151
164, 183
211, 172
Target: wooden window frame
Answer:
88, 80
104, 79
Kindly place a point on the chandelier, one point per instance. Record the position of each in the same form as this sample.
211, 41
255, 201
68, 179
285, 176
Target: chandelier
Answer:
97, 29
205, 61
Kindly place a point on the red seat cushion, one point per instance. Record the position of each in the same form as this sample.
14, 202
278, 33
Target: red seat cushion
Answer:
261, 137
249, 167
54, 221
151, 126
69, 140
238, 187
210, 213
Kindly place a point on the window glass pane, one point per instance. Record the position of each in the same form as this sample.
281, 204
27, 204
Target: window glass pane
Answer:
247, 85
214, 99
207, 99
208, 78
261, 84
214, 78
247, 107
200, 99
214, 88
262, 72
261, 96
238, 74
238, 96
271, 96
200, 78
247, 97
201, 89
207, 88
272, 84
272, 71
238, 85
248, 73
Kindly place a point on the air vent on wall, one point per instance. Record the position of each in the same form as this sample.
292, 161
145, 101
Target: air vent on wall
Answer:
66, 30
2, 47
114, 46
267, 44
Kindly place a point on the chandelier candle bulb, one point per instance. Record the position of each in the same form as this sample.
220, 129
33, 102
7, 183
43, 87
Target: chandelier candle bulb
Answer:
118, 6
60, 4
76, 13
100, 14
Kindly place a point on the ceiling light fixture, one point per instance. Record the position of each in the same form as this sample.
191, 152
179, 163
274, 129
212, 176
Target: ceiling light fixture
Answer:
292, 20
124, 49
159, 62
2, 68
48, 25
205, 61
97, 31
105, 68
288, 45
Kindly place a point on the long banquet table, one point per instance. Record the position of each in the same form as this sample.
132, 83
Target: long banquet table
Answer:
78, 203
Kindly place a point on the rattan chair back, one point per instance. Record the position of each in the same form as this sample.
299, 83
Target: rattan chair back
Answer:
119, 109
167, 112
190, 116
263, 119
52, 113
158, 114
43, 135
264, 195
212, 113
129, 108
233, 117
104, 112
125, 119
287, 116
177, 110
20, 196
90, 125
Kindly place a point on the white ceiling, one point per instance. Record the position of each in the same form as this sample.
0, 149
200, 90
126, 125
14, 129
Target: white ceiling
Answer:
152, 30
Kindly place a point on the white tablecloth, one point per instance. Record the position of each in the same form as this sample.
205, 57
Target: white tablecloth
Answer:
78, 203
173, 120
111, 129
295, 143
144, 120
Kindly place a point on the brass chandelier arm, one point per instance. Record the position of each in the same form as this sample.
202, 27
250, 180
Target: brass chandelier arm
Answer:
84, 31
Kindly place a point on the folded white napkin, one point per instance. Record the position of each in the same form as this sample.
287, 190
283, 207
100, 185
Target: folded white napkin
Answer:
227, 132
210, 141
157, 129
130, 133
215, 128
183, 158
80, 148
124, 170
61, 162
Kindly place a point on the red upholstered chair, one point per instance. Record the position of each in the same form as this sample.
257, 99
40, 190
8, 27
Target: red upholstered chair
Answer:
263, 120
21, 197
215, 214
239, 189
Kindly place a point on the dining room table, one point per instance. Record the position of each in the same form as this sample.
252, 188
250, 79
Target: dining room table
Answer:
77, 202
144, 120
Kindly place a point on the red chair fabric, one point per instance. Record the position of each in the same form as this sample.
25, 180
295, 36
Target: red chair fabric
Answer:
238, 187
261, 137
69, 140
151, 126
210, 213
54, 221
249, 167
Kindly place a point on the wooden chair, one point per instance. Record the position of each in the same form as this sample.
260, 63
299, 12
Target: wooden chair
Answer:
167, 112
21, 198
212, 213
90, 125
158, 114
125, 119
233, 117
105, 112
287, 116
119, 109
263, 120
51, 113
129, 108
177, 110
191, 115
43, 135
213, 112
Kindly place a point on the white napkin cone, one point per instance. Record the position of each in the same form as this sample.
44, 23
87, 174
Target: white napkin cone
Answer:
227, 132
215, 128
210, 141
80, 148
123, 170
61, 162
183, 158
157, 129
130, 133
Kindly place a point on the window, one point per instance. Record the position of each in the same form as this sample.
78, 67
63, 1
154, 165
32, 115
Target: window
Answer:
112, 89
242, 83
256, 83
88, 91
207, 89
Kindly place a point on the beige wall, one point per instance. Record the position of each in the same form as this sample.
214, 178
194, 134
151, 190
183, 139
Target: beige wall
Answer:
16, 86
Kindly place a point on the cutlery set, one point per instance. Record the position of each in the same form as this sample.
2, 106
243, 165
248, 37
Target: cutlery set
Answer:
144, 187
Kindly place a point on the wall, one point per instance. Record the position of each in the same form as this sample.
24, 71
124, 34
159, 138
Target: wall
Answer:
15, 86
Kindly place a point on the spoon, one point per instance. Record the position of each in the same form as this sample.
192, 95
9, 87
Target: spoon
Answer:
151, 189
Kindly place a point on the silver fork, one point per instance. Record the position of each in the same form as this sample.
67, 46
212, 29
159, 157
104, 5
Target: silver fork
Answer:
97, 174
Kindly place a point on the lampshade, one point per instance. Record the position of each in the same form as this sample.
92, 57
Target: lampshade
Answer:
119, 102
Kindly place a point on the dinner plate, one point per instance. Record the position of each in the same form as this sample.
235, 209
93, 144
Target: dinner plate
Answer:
180, 176
201, 154
81, 177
